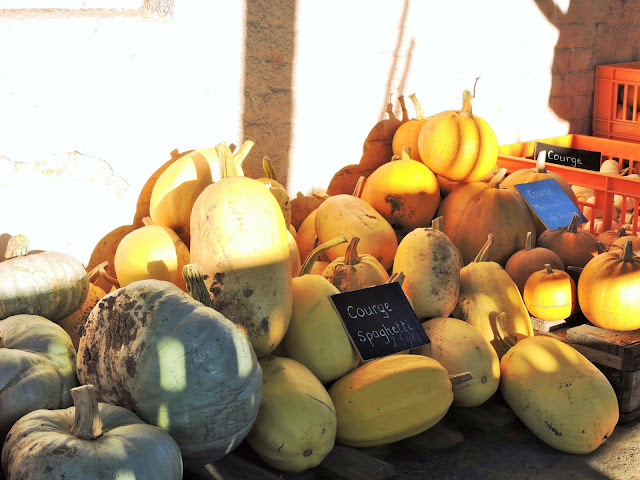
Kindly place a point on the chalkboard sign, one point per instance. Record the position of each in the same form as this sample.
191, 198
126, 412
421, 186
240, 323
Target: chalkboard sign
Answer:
569, 157
550, 203
379, 320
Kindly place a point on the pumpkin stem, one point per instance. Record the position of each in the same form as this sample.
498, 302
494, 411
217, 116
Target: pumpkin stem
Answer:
228, 167
573, 226
403, 107
417, 106
357, 191
193, 277
86, 424
496, 180
438, 223
240, 155
389, 110
530, 242
397, 277
269, 171
548, 268
17, 246
146, 221
316, 252
506, 340
406, 153
540, 162
351, 256
466, 105
459, 378
627, 254
483, 253
320, 195
571, 268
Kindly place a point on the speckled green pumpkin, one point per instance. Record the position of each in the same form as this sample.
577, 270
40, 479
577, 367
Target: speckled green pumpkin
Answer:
151, 348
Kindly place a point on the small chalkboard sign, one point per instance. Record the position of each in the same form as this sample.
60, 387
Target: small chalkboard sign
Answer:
379, 320
569, 157
550, 203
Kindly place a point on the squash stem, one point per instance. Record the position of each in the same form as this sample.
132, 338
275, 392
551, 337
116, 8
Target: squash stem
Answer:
417, 106
316, 252
496, 180
403, 107
240, 155
406, 153
397, 277
193, 277
548, 268
466, 105
86, 424
484, 251
540, 162
530, 242
357, 191
228, 167
269, 171
627, 254
459, 378
17, 246
438, 223
351, 256
573, 226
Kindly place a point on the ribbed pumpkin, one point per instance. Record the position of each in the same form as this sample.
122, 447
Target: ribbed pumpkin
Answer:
389, 399
539, 172
530, 259
151, 251
90, 440
296, 425
478, 209
239, 238
458, 145
49, 284
407, 134
355, 271
177, 187
431, 265
37, 367
405, 192
178, 364
620, 243
609, 289
550, 294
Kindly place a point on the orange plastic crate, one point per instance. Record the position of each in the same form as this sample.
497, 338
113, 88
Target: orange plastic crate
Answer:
520, 155
617, 86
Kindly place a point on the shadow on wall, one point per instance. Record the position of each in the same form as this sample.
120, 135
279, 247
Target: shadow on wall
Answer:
268, 81
590, 33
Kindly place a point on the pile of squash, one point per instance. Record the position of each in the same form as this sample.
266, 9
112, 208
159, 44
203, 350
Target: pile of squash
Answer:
209, 320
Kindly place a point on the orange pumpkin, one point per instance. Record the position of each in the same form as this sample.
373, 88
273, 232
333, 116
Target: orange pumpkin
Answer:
609, 290
405, 192
574, 247
458, 145
407, 134
525, 262
550, 294
475, 210
539, 172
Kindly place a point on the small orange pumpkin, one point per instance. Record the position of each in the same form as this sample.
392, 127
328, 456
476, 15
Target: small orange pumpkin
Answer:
407, 134
550, 294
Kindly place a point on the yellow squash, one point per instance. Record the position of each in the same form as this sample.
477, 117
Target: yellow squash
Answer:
389, 399
460, 347
486, 290
316, 337
296, 424
558, 394
239, 238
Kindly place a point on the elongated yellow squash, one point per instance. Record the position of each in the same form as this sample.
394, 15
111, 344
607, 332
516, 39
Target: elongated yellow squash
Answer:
239, 238
389, 399
316, 337
486, 290
296, 424
460, 347
558, 394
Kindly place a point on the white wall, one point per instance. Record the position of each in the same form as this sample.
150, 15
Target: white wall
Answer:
122, 89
